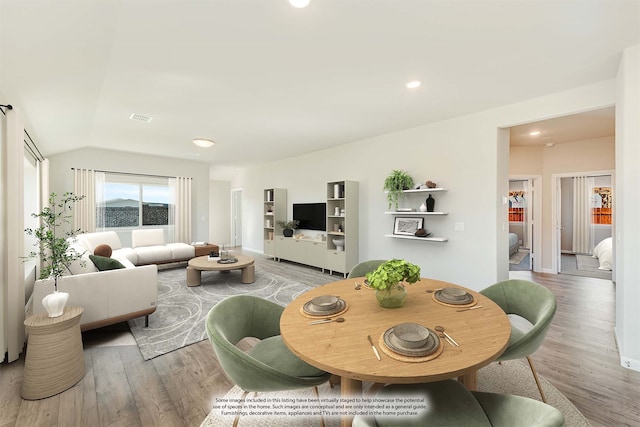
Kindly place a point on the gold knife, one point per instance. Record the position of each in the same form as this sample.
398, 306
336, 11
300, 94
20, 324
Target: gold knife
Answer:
375, 350
470, 308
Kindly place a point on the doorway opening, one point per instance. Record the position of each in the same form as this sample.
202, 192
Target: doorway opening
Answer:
236, 218
524, 201
584, 224
519, 225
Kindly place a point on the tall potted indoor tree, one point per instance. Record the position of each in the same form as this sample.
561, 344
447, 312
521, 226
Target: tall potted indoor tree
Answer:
54, 250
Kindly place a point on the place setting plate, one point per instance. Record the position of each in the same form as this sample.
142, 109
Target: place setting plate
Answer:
411, 342
454, 297
323, 306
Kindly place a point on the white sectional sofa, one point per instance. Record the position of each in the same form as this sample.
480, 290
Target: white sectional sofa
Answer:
147, 246
108, 297
113, 296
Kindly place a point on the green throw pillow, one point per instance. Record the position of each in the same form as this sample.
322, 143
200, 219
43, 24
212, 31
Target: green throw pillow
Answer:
104, 263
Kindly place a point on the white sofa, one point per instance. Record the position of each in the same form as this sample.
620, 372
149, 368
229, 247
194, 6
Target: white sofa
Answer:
147, 246
108, 297
113, 296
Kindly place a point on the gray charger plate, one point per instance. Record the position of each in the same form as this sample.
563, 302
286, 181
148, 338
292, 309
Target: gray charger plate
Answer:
443, 298
431, 346
308, 308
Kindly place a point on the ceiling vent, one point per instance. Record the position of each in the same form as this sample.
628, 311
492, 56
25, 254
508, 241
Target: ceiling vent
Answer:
140, 118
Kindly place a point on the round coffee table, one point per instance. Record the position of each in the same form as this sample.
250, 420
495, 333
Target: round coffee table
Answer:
202, 263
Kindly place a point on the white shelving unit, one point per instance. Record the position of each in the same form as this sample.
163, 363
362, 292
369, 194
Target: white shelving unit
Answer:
344, 225
410, 196
414, 213
429, 239
274, 209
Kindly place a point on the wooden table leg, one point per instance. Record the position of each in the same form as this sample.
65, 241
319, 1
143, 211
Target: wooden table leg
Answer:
349, 387
470, 380
194, 276
248, 274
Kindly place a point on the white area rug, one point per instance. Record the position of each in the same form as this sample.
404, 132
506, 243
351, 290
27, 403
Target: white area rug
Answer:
583, 265
180, 315
512, 377
518, 256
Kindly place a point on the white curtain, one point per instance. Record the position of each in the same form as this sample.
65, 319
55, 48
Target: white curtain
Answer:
180, 209
88, 183
582, 232
43, 167
12, 270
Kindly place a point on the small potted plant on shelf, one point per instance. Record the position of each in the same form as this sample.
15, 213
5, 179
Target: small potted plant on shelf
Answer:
395, 184
288, 226
54, 251
388, 279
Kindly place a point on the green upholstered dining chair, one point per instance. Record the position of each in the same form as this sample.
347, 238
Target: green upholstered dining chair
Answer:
450, 403
360, 269
269, 365
530, 308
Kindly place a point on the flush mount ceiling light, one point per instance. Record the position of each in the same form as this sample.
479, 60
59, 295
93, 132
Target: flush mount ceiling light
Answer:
550, 144
534, 133
414, 84
204, 143
299, 3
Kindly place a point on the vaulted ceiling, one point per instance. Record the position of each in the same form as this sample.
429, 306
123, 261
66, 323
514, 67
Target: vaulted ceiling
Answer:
266, 80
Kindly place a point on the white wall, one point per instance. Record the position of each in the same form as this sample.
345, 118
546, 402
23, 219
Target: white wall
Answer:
627, 207
468, 155
219, 213
95, 158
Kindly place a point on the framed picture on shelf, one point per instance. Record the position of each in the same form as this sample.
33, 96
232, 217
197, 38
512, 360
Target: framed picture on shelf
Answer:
407, 226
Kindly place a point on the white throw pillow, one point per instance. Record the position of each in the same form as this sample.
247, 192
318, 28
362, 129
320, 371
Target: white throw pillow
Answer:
153, 237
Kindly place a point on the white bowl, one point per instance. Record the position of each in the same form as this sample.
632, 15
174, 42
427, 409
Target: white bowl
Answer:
411, 335
454, 293
324, 302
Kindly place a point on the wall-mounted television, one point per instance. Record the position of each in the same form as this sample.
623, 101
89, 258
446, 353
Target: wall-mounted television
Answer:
312, 216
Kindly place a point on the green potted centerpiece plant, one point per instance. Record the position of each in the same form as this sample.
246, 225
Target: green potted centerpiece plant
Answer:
288, 226
53, 247
395, 184
388, 279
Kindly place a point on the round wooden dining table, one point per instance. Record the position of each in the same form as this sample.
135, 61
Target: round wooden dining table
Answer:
343, 349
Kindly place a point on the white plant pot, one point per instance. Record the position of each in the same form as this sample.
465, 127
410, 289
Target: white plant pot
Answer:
54, 303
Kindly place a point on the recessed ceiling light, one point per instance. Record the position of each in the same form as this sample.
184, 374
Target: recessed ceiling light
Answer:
534, 133
204, 143
414, 84
299, 3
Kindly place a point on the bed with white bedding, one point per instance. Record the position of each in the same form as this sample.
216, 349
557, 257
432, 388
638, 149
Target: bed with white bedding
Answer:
604, 252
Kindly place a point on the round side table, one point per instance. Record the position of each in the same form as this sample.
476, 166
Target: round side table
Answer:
54, 361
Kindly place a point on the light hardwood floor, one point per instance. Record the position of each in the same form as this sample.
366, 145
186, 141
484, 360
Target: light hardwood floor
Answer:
579, 357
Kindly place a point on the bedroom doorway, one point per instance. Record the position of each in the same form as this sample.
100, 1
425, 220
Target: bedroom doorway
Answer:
583, 219
236, 218
524, 205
